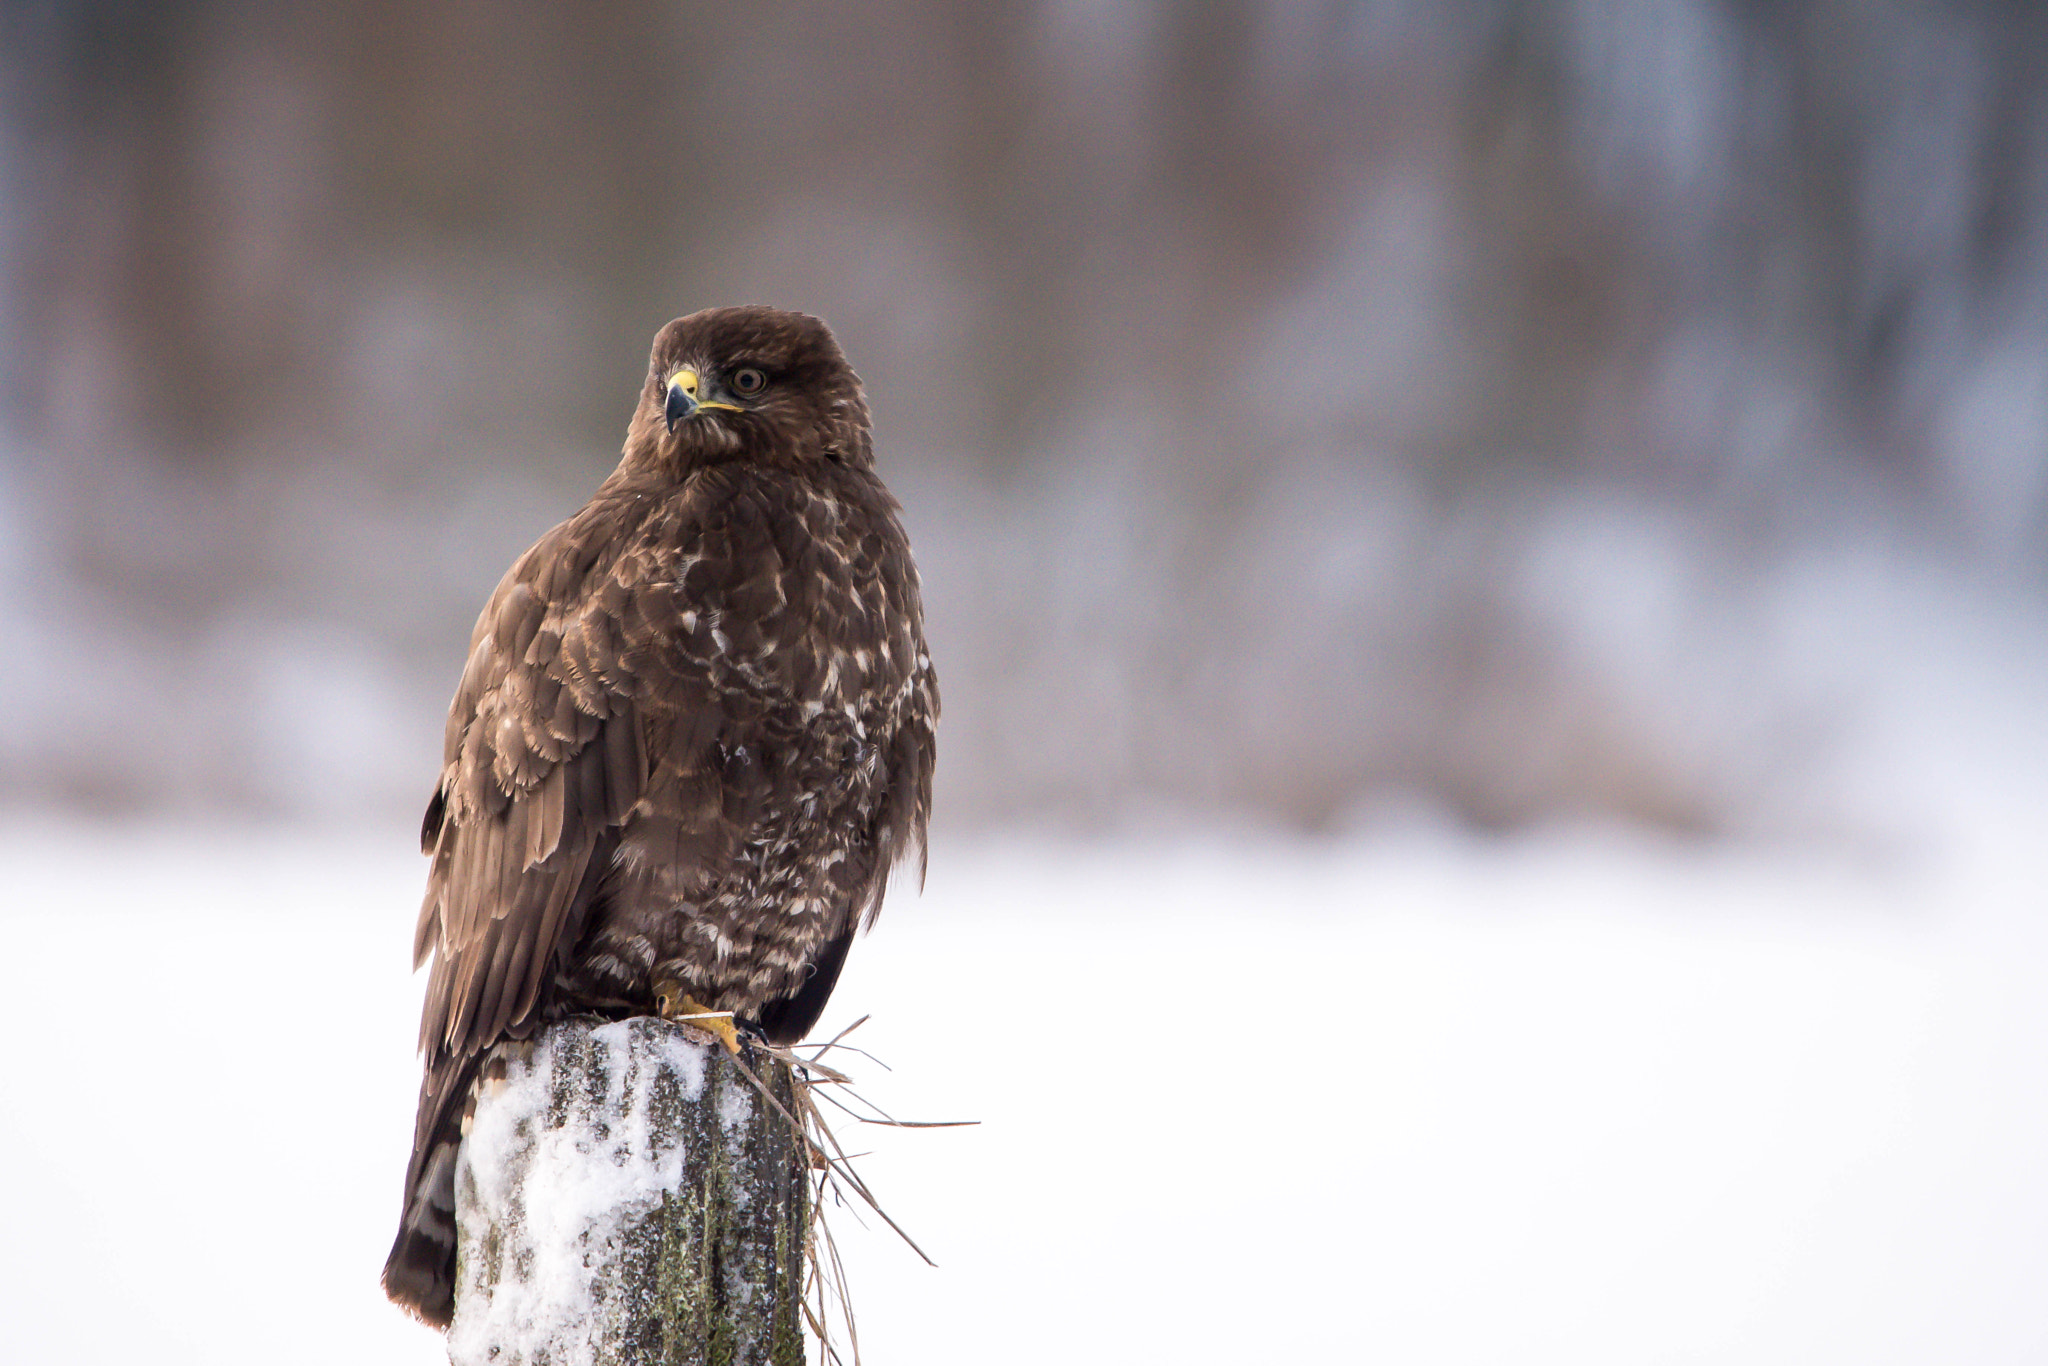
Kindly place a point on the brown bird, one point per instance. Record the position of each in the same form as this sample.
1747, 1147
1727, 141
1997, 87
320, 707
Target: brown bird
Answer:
694, 734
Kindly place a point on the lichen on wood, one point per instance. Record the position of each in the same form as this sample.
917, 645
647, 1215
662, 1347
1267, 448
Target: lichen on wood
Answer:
625, 1195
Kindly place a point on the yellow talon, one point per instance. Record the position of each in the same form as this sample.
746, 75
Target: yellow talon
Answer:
678, 1006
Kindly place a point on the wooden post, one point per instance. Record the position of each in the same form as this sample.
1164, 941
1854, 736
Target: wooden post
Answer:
626, 1197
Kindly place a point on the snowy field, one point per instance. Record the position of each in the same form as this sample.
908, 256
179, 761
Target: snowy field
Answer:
1413, 1097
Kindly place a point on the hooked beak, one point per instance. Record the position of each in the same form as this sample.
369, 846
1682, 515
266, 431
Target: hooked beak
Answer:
688, 396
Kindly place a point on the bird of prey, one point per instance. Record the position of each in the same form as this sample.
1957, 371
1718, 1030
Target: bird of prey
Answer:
694, 734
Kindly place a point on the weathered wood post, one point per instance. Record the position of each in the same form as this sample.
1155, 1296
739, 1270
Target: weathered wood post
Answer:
626, 1197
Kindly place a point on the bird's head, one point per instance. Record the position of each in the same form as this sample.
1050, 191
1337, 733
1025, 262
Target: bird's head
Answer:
749, 383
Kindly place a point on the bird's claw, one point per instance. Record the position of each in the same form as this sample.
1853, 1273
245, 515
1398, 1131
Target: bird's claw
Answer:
676, 1005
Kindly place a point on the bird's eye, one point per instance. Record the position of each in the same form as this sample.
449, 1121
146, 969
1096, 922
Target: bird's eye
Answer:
748, 380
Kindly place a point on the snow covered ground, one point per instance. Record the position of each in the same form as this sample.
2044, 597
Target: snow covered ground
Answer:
1412, 1097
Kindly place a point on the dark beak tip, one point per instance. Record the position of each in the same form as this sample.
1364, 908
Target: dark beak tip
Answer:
679, 406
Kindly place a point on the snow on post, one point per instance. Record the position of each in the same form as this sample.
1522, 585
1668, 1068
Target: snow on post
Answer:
625, 1195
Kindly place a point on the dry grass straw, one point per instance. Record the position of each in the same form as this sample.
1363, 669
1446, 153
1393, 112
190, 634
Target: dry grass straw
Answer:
827, 1302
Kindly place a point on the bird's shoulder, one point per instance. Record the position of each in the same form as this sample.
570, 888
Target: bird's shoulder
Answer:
737, 573
718, 527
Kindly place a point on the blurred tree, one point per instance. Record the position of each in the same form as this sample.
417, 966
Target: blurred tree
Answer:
1242, 364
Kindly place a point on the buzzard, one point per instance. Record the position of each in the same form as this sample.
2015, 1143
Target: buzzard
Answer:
694, 734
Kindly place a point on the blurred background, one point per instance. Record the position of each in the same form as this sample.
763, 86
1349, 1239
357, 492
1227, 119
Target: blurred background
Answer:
1525, 410
1505, 542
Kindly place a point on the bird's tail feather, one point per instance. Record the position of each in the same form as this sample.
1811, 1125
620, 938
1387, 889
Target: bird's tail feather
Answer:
420, 1272
419, 1275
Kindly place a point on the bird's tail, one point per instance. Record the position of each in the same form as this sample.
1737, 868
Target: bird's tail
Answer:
420, 1272
419, 1275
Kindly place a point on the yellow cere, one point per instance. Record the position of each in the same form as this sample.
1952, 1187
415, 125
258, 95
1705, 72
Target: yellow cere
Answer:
686, 380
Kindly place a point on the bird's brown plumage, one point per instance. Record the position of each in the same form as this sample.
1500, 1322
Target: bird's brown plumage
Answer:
694, 733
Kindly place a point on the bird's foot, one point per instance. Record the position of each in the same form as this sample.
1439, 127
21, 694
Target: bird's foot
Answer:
677, 1005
